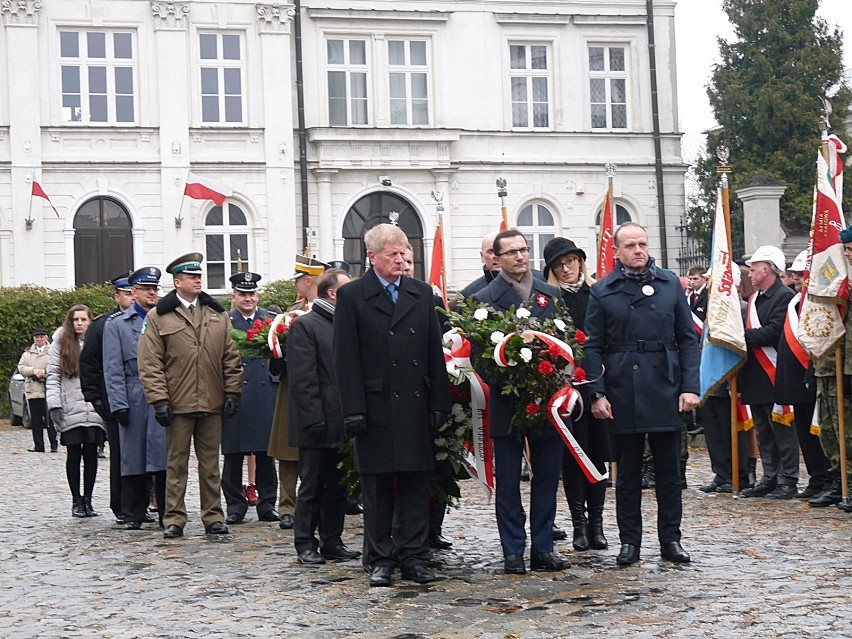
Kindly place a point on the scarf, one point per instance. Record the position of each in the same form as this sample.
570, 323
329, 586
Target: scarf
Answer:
573, 288
645, 277
325, 305
522, 288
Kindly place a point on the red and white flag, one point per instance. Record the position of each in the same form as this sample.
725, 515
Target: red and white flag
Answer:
606, 247
39, 192
436, 270
202, 188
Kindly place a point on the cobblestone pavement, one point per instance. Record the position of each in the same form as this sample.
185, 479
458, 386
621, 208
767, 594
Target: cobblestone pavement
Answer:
760, 569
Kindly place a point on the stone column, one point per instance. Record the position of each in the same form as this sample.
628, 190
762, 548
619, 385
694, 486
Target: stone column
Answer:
761, 197
325, 215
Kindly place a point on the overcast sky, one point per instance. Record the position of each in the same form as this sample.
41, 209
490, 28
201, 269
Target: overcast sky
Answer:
698, 23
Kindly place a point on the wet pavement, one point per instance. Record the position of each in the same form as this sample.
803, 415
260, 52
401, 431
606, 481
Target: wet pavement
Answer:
760, 568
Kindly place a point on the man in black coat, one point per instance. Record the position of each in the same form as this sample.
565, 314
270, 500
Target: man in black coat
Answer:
248, 431
490, 267
394, 395
514, 285
94, 389
642, 355
767, 309
316, 427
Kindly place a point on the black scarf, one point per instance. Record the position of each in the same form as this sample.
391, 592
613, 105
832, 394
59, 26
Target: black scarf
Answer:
645, 277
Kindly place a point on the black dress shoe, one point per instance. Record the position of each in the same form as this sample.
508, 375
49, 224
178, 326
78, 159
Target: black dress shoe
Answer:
709, 488
269, 515
845, 505
173, 531
381, 576
340, 553
418, 574
286, 522
514, 565
120, 520
439, 542
133, 525
54, 449
724, 488
148, 519
234, 519
311, 557
758, 490
548, 562
35, 450
783, 491
558, 534
217, 528
808, 492
673, 551
629, 554
353, 507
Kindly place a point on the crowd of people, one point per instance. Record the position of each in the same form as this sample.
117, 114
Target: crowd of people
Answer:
364, 360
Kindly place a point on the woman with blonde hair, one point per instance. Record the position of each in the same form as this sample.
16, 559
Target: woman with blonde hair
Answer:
80, 428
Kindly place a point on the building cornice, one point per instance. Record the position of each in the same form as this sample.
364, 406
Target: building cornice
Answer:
381, 15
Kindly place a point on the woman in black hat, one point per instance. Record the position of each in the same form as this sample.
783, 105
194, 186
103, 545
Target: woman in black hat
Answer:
565, 267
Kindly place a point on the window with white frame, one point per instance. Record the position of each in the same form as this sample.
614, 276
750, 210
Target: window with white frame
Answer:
408, 75
347, 82
221, 69
98, 76
529, 76
608, 87
226, 237
538, 225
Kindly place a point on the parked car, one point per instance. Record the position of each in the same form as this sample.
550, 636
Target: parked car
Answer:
19, 411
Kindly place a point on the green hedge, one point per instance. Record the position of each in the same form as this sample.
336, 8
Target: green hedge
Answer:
26, 308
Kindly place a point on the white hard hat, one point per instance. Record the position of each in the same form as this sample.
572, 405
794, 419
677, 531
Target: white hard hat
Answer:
800, 263
771, 254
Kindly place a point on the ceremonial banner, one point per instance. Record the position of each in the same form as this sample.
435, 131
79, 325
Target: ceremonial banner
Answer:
39, 192
202, 188
436, 270
606, 246
826, 279
724, 348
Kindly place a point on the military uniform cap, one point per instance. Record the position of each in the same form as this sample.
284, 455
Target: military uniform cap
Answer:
121, 283
308, 266
149, 275
246, 282
342, 265
189, 263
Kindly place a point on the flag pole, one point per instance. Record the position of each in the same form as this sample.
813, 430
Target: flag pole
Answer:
29, 219
724, 168
502, 193
838, 353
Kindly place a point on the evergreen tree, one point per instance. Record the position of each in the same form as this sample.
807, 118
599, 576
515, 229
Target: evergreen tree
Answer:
765, 94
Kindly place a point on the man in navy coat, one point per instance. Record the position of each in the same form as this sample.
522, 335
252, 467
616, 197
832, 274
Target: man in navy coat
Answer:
247, 432
512, 286
642, 353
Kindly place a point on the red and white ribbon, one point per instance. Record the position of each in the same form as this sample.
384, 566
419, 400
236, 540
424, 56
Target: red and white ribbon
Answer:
272, 339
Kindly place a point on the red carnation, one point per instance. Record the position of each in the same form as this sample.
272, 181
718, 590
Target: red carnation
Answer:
257, 324
580, 336
267, 321
554, 350
280, 328
251, 334
533, 409
545, 367
579, 375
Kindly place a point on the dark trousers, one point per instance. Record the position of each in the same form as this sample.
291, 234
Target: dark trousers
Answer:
135, 495
115, 499
390, 495
778, 446
593, 437
39, 420
815, 460
546, 461
266, 480
717, 434
321, 500
665, 448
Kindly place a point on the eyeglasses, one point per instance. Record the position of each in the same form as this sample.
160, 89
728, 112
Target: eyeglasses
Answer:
514, 252
568, 262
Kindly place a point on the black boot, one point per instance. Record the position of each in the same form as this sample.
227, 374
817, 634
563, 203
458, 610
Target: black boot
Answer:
596, 495
830, 496
575, 485
752, 471
87, 502
78, 509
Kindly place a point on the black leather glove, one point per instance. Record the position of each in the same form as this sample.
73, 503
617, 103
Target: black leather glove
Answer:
163, 414
232, 405
56, 415
437, 419
354, 425
122, 416
317, 431
277, 367
101, 409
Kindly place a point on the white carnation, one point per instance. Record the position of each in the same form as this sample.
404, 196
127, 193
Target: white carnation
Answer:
480, 314
526, 354
558, 323
441, 455
440, 442
460, 431
522, 313
497, 337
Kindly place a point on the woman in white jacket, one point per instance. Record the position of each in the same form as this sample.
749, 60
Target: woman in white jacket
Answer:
80, 428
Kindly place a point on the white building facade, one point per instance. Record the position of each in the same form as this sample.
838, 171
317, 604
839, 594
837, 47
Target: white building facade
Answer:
109, 104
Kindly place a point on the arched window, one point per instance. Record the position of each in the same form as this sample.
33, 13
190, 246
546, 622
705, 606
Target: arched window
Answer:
103, 241
226, 234
370, 211
621, 216
538, 225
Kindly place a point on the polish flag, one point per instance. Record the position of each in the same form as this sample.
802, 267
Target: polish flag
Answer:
202, 188
39, 192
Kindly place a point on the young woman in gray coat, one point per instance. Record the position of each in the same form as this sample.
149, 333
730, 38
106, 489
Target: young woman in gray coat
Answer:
80, 428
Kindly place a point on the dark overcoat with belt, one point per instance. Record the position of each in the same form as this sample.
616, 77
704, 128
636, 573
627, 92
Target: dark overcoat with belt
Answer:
645, 338
313, 386
248, 430
500, 295
390, 367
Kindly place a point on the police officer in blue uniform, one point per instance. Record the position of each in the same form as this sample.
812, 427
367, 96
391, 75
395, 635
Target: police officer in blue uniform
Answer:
248, 431
143, 441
